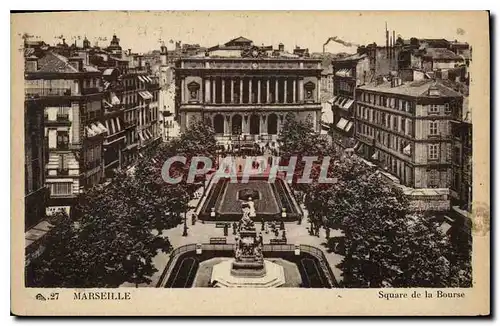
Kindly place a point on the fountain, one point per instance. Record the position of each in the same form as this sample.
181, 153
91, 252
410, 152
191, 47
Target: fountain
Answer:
248, 267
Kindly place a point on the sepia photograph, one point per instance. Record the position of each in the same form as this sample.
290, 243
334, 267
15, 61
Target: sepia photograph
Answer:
175, 151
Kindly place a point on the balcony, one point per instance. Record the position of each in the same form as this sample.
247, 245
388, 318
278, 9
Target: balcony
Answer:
91, 90
34, 92
62, 117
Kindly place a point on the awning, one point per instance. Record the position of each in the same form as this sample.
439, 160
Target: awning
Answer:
444, 228
114, 99
342, 123
349, 126
348, 104
146, 95
141, 136
101, 127
148, 79
95, 128
343, 73
108, 72
375, 156
90, 132
407, 150
107, 104
360, 147
150, 135
141, 79
334, 99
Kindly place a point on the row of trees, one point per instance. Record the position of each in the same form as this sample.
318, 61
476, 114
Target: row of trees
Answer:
116, 229
385, 244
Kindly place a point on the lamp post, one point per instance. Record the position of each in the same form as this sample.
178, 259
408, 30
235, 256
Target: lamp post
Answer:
185, 232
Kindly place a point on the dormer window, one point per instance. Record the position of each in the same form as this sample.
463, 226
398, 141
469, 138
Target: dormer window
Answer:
193, 88
434, 91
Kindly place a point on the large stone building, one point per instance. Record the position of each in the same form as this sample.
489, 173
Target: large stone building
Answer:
72, 95
242, 89
405, 128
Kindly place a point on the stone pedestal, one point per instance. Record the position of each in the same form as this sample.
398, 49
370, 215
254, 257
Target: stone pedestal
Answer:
223, 276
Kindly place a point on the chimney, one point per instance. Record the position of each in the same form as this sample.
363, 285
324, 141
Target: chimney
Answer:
393, 44
31, 64
85, 56
163, 55
281, 47
386, 41
129, 51
76, 62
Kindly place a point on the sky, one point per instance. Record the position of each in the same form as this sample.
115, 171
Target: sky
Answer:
143, 31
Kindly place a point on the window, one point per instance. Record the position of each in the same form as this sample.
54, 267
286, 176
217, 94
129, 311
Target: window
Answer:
447, 108
433, 109
433, 178
62, 140
433, 152
403, 125
395, 123
433, 128
60, 188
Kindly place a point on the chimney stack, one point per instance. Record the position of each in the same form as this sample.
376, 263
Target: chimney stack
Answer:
76, 62
281, 47
386, 41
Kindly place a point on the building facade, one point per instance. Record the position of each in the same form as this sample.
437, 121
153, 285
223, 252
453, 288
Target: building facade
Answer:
244, 90
72, 95
405, 128
35, 153
348, 74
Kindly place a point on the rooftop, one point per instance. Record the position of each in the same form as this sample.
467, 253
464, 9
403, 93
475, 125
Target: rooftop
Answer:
442, 54
53, 62
419, 88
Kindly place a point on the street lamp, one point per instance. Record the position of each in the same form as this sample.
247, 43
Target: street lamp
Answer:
185, 232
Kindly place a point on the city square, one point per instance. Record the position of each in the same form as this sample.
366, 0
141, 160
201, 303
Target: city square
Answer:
391, 121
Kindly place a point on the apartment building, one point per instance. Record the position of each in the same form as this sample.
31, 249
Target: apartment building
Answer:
405, 128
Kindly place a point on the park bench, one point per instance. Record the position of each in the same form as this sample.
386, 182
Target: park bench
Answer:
220, 225
277, 241
218, 241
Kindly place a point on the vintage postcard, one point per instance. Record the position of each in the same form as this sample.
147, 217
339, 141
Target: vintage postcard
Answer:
250, 163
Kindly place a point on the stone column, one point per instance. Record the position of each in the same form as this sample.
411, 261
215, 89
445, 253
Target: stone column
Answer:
183, 90
232, 90
294, 100
207, 90
250, 90
227, 130
267, 91
318, 92
276, 91
245, 125
241, 91
223, 93
285, 85
214, 93
263, 124
301, 90
258, 91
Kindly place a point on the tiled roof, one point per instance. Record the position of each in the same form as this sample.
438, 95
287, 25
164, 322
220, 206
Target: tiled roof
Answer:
240, 39
442, 54
53, 62
353, 57
418, 88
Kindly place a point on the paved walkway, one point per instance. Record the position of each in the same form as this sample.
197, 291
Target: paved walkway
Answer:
202, 232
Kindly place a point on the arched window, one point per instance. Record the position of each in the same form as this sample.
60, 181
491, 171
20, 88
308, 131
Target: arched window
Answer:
219, 124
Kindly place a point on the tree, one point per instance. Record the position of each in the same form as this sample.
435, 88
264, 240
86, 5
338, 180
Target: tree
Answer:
384, 243
298, 138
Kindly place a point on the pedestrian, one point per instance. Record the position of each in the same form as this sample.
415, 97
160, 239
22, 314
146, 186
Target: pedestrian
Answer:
261, 238
282, 225
327, 230
226, 229
266, 228
276, 232
262, 224
283, 235
235, 226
